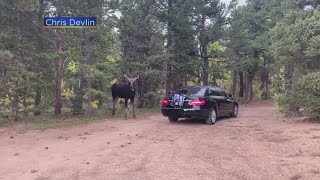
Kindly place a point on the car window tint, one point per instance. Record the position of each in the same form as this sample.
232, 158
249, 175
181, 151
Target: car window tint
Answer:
189, 91
223, 93
214, 92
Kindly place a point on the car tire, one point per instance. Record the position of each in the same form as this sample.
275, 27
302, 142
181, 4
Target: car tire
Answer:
235, 111
211, 120
173, 119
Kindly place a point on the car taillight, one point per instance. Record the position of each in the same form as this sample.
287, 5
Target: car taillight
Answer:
165, 102
197, 102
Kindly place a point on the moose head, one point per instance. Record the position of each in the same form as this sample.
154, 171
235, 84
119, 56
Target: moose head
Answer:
131, 81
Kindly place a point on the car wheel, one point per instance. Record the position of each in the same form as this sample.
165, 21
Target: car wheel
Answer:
212, 117
235, 111
173, 119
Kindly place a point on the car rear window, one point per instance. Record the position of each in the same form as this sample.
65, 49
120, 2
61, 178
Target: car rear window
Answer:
192, 91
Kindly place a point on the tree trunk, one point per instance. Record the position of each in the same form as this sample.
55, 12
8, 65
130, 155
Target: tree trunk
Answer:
169, 43
234, 83
241, 85
15, 102
37, 100
88, 58
249, 90
141, 94
267, 89
15, 108
204, 51
58, 65
58, 74
289, 71
289, 83
264, 78
168, 79
265, 85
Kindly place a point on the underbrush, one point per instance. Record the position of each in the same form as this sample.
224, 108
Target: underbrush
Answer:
304, 100
49, 121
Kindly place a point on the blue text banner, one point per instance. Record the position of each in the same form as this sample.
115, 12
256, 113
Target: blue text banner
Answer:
69, 22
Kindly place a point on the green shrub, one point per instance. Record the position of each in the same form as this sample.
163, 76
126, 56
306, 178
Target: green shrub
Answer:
305, 95
284, 102
308, 94
152, 99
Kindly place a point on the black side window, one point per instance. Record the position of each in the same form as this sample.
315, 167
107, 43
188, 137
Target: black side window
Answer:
224, 94
214, 92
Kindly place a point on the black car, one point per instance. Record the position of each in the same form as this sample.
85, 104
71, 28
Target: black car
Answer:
199, 102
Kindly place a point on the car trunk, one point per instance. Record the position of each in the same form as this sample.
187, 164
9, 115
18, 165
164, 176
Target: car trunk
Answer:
180, 101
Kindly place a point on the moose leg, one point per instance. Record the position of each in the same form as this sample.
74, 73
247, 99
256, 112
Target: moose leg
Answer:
132, 103
126, 106
114, 100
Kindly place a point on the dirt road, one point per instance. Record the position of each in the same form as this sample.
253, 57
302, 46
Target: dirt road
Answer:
257, 145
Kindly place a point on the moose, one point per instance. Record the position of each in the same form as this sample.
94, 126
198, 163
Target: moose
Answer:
125, 91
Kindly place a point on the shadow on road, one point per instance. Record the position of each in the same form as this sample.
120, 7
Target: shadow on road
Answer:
200, 121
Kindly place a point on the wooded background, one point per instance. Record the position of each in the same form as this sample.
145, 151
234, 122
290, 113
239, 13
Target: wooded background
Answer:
262, 50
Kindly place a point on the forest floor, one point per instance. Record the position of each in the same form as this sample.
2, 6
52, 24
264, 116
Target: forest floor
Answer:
259, 144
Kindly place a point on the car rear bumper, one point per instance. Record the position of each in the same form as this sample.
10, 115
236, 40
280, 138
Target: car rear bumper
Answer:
186, 113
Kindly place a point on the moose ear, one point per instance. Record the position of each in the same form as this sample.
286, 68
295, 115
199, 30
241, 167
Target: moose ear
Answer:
137, 77
126, 76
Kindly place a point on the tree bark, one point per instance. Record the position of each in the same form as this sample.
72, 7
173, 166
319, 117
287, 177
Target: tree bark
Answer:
141, 101
37, 98
169, 43
234, 83
289, 71
168, 79
37, 101
204, 51
264, 87
249, 90
241, 85
289, 84
15, 108
58, 74
15, 102
88, 58
58, 65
